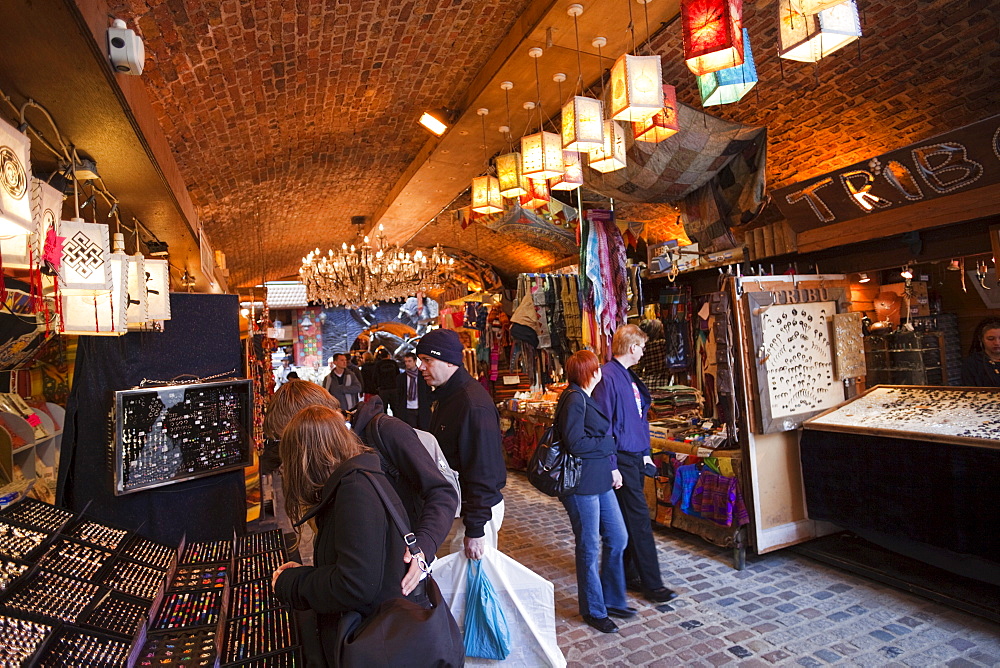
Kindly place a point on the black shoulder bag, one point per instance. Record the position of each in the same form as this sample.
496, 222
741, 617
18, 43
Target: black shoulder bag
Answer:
400, 632
552, 469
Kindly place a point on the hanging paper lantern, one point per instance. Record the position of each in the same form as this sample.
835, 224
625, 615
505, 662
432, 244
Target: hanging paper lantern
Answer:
15, 182
611, 156
816, 6
538, 195
713, 34
486, 195
158, 288
582, 124
509, 174
137, 295
572, 176
104, 314
20, 251
664, 124
85, 262
541, 155
636, 88
729, 85
809, 37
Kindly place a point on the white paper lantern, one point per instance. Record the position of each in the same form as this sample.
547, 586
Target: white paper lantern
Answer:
541, 156
611, 156
137, 296
486, 197
158, 288
636, 88
810, 37
582, 124
85, 262
104, 314
572, 176
15, 182
23, 252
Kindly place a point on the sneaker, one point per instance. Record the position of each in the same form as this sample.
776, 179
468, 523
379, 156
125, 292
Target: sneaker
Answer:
622, 613
661, 595
602, 624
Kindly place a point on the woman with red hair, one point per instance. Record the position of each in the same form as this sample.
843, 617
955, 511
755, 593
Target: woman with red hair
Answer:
593, 509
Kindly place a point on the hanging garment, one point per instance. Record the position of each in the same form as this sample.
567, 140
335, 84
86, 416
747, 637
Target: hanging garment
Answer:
718, 498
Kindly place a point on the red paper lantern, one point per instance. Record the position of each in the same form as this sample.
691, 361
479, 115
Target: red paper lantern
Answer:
713, 34
662, 126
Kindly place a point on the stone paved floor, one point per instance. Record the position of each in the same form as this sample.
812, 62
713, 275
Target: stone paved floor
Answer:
783, 609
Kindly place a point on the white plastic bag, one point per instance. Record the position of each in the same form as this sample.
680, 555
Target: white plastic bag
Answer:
527, 599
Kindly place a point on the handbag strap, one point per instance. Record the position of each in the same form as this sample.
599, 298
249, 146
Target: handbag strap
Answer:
397, 519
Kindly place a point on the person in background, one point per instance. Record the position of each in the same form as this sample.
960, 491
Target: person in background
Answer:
623, 397
413, 395
281, 373
467, 426
357, 545
982, 367
593, 509
342, 383
293, 375
368, 384
386, 375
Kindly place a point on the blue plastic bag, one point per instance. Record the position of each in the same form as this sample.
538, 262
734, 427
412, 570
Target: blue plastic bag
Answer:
486, 632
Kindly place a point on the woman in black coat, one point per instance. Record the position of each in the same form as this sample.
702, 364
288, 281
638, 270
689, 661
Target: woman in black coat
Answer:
357, 548
593, 509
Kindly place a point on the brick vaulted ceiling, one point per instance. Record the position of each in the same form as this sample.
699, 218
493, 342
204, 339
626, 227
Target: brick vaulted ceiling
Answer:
287, 118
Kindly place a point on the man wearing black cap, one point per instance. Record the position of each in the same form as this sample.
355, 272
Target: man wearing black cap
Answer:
467, 426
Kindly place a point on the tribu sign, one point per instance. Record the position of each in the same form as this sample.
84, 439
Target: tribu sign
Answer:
959, 160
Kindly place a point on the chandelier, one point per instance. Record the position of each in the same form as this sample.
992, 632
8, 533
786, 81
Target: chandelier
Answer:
372, 272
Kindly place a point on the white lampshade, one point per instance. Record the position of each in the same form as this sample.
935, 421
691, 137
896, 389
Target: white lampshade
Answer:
104, 314
572, 176
486, 197
15, 182
611, 156
46, 209
509, 174
541, 155
158, 287
85, 262
138, 314
636, 88
815, 6
582, 124
809, 37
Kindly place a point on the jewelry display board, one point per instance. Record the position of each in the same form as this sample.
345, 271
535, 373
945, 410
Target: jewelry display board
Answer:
959, 415
848, 346
794, 357
179, 432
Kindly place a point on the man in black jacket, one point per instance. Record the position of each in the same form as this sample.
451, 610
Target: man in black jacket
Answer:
467, 426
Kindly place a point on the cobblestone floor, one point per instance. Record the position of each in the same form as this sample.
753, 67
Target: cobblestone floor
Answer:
782, 610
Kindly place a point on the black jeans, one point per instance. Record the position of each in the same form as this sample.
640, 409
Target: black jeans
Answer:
641, 561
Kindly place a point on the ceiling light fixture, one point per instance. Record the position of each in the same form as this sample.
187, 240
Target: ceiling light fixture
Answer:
713, 34
436, 122
906, 273
731, 84
541, 153
809, 37
611, 155
486, 198
582, 117
512, 183
863, 278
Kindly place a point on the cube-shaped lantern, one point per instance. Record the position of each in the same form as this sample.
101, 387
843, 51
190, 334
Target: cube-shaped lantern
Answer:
104, 314
664, 124
158, 289
15, 182
85, 262
486, 195
137, 296
713, 34
729, 85
582, 124
541, 156
512, 183
815, 6
809, 37
21, 252
538, 194
636, 88
611, 156
572, 176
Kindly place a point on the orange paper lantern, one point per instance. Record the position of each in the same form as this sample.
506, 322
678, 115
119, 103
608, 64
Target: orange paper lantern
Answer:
713, 34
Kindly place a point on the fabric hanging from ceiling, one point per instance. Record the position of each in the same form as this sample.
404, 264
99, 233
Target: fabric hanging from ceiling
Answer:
674, 168
550, 227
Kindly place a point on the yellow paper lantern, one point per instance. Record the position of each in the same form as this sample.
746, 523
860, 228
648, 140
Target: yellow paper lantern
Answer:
541, 156
486, 197
572, 176
509, 174
582, 124
664, 124
636, 88
808, 37
611, 156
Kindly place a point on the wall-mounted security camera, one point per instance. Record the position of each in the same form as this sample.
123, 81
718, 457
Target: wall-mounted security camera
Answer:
125, 49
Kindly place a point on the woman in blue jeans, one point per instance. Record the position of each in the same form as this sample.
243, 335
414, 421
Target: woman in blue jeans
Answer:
593, 510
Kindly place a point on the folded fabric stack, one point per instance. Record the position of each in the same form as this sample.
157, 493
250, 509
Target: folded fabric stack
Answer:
675, 401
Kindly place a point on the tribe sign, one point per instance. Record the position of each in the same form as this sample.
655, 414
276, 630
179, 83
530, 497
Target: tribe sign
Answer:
958, 160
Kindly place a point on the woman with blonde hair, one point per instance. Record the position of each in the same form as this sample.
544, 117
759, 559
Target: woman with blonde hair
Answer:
290, 398
330, 475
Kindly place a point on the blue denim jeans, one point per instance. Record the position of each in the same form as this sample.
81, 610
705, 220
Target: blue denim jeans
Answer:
600, 541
